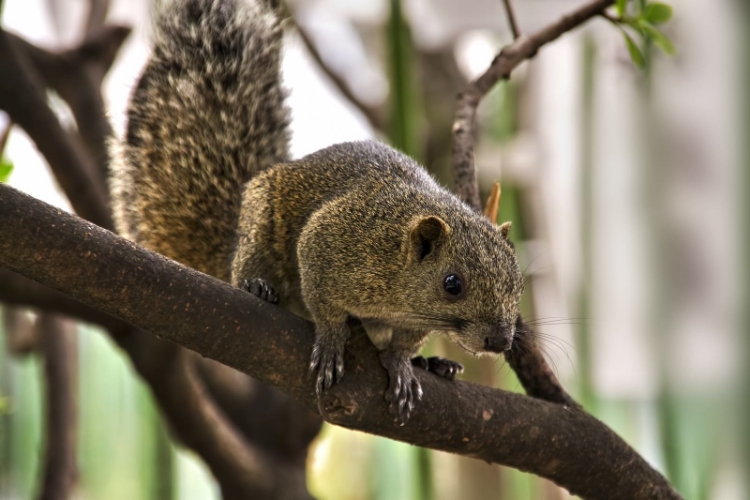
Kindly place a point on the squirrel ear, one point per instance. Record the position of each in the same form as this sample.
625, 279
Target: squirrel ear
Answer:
505, 229
426, 237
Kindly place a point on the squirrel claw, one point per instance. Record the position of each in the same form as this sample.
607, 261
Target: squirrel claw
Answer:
328, 360
261, 289
403, 393
442, 367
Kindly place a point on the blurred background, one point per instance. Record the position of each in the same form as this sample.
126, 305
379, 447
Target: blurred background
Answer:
627, 190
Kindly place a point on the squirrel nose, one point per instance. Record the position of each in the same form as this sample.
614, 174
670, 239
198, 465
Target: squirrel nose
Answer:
499, 343
501, 339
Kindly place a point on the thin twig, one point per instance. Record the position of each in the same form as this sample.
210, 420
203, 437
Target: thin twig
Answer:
510, 11
4, 135
526, 358
373, 114
503, 64
97, 14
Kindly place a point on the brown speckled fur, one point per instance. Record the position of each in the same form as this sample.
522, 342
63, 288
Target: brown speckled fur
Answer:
354, 230
206, 115
338, 234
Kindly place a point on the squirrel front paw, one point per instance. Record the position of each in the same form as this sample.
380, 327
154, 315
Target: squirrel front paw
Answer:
261, 289
441, 367
328, 359
404, 390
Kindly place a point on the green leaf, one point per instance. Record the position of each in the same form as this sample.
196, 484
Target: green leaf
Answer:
620, 6
635, 52
658, 37
6, 167
657, 13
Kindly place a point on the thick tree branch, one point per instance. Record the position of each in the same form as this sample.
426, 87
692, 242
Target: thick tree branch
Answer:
22, 97
57, 346
193, 416
266, 418
18, 291
232, 327
503, 64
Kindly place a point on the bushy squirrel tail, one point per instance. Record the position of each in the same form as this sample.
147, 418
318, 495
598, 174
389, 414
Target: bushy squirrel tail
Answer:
206, 115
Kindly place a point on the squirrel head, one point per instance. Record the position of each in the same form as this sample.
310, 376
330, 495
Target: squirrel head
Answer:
468, 281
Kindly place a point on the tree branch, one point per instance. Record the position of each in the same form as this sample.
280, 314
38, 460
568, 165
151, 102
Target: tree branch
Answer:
22, 97
373, 114
525, 358
203, 428
232, 327
265, 417
97, 14
503, 64
4, 134
57, 346
538, 380
511, 13
18, 291
76, 75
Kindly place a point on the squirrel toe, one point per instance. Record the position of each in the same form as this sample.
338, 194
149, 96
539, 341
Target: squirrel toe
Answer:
328, 360
404, 391
442, 367
261, 289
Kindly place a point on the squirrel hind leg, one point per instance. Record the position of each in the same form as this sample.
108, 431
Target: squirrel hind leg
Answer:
442, 367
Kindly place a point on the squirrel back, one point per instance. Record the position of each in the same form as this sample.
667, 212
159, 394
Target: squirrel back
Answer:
206, 115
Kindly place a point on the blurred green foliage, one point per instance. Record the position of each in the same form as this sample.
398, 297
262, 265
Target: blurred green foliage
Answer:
6, 168
642, 18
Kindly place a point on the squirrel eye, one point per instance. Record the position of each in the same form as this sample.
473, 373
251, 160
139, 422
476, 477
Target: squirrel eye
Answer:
453, 285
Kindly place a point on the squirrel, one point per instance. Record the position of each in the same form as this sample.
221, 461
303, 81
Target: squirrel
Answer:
357, 230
